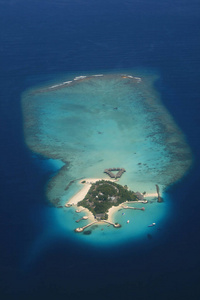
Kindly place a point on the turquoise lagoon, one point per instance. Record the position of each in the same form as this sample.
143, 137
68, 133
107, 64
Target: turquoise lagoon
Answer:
88, 123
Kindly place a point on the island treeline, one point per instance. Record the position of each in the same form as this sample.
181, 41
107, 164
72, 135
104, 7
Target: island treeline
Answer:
103, 195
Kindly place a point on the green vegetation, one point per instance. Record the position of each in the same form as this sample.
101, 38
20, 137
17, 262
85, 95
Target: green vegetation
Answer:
105, 194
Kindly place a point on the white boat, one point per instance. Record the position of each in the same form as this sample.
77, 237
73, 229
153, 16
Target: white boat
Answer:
127, 221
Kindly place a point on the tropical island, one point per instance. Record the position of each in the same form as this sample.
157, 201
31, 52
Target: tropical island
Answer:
104, 194
89, 122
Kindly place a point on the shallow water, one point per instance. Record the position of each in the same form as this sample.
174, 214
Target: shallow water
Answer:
41, 40
104, 235
97, 122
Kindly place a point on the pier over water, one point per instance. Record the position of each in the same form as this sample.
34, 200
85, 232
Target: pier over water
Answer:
110, 171
92, 122
81, 229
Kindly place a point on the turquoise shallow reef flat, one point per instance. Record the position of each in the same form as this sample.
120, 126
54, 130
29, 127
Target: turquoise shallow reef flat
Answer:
105, 236
94, 122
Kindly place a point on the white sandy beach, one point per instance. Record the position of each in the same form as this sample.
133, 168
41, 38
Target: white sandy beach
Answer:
85, 188
112, 211
148, 195
79, 196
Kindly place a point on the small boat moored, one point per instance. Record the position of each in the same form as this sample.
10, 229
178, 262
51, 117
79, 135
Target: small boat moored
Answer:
151, 225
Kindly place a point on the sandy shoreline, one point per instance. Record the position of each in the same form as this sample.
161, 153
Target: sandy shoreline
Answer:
147, 195
112, 211
80, 195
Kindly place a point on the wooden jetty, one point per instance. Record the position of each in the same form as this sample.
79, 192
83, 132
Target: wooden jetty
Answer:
110, 173
116, 225
135, 208
83, 218
158, 192
138, 201
79, 210
81, 229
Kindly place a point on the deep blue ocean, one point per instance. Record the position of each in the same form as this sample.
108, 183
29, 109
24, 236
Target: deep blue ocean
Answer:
40, 40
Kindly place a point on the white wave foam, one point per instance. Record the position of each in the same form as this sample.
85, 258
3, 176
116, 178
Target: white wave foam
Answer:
60, 84
79, 77
67, 82
55, 86
138, 79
